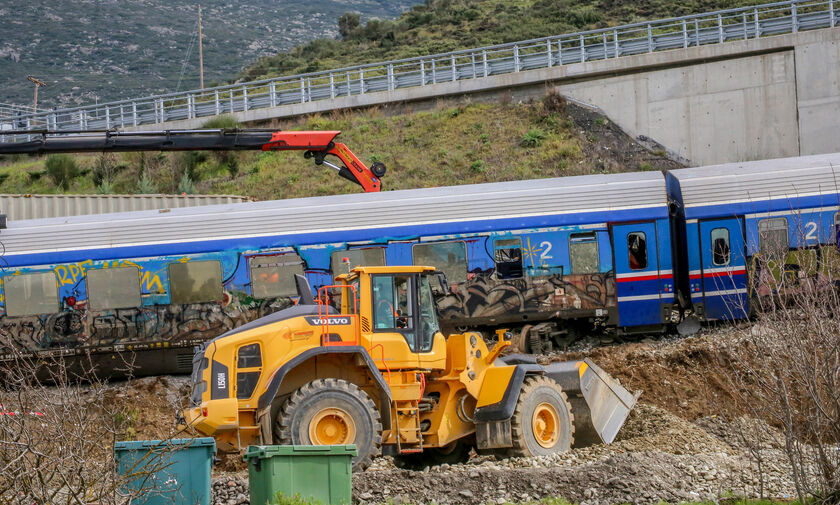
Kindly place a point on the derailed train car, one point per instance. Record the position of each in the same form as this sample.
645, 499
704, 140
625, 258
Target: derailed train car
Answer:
550, 259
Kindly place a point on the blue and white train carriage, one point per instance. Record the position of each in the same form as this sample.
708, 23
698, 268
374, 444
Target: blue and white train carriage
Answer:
568, 253
745, 230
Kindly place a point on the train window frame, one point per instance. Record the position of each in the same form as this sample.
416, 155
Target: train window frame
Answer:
287, 265
510, 267
724, 253
11, 309
338, 254
218, 294
449, 280
643, 263
95, 291
585, 238
765, 248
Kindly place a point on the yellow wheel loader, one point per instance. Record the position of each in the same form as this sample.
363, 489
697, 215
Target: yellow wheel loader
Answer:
366, 364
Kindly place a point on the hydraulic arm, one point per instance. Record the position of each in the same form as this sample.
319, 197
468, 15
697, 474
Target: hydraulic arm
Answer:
315, 144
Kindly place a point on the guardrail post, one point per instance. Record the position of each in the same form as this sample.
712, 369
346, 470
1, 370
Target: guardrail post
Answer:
615, 44
332, 86
302, 91
191, 106
560, 52
484, 62
361, 81
548, 52
122, 117
454, 70
272, 93
52, 119
757, 25
582, 49
685, 34
606, 55
216, 101
434, 72
244, 98
745, 26
107, 118
720, 29
832, 20
422, 73
794, 21
348, 83
83, 119
232, 103
696, 32
134, 113
516, 58
390, 76
472, 59
650, 38
309, 89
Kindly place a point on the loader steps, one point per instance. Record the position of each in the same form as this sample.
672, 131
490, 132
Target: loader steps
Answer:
408, 435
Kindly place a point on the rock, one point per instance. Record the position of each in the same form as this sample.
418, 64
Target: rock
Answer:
466, 493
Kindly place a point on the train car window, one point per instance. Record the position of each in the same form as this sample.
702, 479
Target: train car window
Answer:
364, 257
447, 257
274, 276
113, 288
507, 254
30, 294
637, 250
773, 236
720, 246
583, 253
195, 282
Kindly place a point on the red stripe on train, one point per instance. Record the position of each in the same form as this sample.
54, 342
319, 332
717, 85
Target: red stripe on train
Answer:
644, 277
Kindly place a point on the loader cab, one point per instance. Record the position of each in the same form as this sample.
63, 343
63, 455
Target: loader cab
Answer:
398, 317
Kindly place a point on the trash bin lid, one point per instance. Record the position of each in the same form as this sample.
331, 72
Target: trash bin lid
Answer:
136, 445
269, 451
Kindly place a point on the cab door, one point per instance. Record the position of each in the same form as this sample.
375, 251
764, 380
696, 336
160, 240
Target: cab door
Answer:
636, 274
723, 269
394, 327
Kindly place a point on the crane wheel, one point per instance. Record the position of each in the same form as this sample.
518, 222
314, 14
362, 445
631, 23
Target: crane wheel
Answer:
453, 454
331, 412
542, 422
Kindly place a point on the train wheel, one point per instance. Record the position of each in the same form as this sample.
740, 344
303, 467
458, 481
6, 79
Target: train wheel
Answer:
331, 412
542, 422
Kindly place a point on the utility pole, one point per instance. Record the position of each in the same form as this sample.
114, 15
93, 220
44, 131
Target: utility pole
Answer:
38, 84
200, 51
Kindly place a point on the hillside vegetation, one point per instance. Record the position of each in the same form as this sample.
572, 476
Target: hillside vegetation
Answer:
445, 25
450, 145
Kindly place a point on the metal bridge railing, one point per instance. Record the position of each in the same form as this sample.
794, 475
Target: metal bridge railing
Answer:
673, 33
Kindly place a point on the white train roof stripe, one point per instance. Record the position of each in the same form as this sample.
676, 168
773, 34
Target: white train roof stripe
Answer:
757, 181
477, 202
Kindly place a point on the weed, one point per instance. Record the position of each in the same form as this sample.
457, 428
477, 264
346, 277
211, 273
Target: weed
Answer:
533, 138
644, 166
601, 121
477, 166
62, 169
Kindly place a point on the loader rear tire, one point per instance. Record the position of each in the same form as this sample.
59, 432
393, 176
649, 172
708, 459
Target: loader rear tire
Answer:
455, 453
542, 422
331, 412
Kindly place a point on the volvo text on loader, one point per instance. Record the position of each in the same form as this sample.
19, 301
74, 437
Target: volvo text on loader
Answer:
378, 373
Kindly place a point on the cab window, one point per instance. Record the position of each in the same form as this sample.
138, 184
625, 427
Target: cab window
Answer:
393, 298
248, 366
428, 315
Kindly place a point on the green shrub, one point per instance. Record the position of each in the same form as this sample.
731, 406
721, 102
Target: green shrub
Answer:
62, 169
146, 186
477, 166
533, 138
225, 122
185, 185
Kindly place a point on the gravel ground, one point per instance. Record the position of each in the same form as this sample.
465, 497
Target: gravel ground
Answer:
656, 457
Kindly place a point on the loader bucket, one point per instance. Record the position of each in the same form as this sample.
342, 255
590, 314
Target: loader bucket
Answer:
599, 403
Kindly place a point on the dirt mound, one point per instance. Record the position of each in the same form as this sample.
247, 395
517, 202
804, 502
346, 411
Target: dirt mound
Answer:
150, 404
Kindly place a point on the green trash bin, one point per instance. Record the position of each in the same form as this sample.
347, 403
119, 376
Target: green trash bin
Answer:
169, 472
314, 472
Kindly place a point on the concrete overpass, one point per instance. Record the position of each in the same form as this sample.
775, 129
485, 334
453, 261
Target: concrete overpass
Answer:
734, 85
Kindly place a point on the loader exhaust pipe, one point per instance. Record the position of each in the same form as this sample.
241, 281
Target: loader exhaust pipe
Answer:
599, 402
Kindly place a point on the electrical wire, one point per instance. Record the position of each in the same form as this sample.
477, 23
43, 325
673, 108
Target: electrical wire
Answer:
187, 57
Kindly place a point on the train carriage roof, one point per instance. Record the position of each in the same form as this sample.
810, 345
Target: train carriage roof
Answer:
755, 185
568, 195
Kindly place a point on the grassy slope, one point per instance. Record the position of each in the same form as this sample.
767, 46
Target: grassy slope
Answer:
447, 146
444, 25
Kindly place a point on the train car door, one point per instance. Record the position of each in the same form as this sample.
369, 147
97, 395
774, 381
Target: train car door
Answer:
637, 274
724, 274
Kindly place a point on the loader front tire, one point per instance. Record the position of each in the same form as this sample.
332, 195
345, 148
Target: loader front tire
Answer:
331, 412
542, 422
